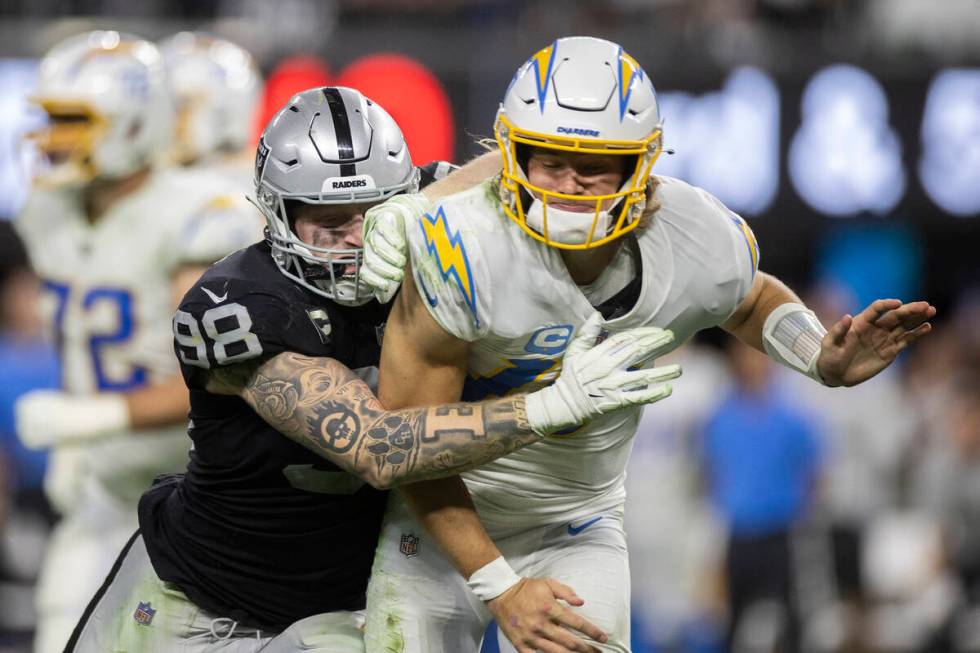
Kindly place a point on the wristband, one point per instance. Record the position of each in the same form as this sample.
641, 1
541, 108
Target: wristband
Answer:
492, 579
791, 336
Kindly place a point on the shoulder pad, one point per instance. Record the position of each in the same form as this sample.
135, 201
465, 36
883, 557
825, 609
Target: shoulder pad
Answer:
223, 223
207, 214
434, 171
720, 240
43, 211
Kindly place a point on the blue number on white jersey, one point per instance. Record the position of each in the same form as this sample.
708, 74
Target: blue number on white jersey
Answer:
121, 301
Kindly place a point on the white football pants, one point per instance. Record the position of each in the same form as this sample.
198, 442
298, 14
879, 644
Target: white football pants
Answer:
418, 603
137, 612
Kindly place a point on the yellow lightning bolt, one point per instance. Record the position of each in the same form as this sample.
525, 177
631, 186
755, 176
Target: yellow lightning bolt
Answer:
627, 68
450, 254
543, 60
750, 240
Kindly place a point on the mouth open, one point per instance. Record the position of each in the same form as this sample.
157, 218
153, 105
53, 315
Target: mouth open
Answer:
340, 272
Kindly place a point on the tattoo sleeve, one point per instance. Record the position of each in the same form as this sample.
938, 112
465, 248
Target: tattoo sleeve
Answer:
322, 405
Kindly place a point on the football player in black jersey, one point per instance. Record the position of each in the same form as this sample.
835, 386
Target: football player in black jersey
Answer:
266, 542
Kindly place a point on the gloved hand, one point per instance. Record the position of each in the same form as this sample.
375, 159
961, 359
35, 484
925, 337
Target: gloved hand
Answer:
595, 379
45, 418
385, 246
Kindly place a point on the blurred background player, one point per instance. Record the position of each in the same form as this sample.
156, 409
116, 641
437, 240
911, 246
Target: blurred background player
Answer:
760, 454
216, 86
115, 241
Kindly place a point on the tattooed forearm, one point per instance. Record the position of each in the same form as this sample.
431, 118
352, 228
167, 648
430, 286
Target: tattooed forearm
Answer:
276, 399
335, 426
418, 444
324, 406
311, 400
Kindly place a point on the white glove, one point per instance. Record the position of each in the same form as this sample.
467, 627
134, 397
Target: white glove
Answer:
385, 247
45, 418
595, 379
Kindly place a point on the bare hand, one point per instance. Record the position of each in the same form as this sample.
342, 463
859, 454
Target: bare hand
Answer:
857, 348
532, 619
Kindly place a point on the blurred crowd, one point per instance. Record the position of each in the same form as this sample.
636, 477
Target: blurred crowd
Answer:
727, 31
778, 515
27, 362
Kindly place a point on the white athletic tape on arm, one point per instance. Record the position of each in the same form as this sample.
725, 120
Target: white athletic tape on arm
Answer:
791, 336
492, 579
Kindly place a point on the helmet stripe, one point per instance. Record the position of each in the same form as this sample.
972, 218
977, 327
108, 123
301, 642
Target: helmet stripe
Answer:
543, 60
341, 127
628, 70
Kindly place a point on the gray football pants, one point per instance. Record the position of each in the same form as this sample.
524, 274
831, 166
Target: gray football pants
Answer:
136, 612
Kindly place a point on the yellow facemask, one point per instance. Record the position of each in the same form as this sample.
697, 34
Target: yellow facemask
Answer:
630, 198
68, 141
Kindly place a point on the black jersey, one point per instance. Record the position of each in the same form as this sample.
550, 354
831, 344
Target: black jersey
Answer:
261, 529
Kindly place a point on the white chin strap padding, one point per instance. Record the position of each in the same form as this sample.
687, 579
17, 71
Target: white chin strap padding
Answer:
567, 227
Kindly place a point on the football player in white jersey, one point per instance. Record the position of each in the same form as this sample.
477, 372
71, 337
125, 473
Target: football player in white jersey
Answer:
502, 277
116, 242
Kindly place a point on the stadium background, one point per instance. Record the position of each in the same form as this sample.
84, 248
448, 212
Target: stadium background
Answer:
846, 132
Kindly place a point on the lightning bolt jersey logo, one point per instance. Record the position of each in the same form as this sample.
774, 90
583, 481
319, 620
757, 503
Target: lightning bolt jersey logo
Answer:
629, 70
449, 252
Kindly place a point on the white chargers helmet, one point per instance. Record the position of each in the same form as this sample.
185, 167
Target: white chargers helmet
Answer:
216, 86
110, 113
579, 94
328, 145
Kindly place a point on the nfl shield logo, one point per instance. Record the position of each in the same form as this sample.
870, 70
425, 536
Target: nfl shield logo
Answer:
144, 614
409, 545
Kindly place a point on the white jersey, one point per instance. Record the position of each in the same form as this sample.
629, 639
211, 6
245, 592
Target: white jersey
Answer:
108, 299
487, 282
